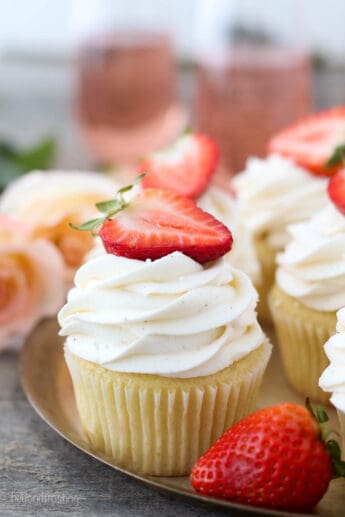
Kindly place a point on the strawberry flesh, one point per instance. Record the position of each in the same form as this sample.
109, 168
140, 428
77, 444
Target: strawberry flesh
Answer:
311, 142
274, 458
159, 222
336, 190
185, 168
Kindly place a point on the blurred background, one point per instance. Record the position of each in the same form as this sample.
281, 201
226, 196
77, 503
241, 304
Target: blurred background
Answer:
106, 81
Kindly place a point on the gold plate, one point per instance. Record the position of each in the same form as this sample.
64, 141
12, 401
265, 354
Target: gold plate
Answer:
48, 386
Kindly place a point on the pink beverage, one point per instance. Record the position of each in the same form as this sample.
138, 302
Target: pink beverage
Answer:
247, 94
126, 95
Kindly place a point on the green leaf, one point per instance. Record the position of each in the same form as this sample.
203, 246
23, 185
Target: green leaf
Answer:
321, 414
108, 206
333, 448
135, 182
89, 225
337, 156
39, 157
8, 171
310, 407
7, 150
338, 468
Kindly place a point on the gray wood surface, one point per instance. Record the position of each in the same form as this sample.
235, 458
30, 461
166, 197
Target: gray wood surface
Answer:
40, 473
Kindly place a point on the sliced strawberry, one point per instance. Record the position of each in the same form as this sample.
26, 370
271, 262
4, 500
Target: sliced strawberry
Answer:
158, 222
313, 141
336, 190
185, 168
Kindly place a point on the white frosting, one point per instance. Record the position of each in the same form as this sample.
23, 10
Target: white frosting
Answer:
172, 317
275, 192
312, 267
225, 208
333, 378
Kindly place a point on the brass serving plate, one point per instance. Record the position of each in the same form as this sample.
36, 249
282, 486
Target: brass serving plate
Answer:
48, 386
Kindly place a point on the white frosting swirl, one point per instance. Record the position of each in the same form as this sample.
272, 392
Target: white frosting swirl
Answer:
275, 192
312, 267
333, 378
225, 208
172, 317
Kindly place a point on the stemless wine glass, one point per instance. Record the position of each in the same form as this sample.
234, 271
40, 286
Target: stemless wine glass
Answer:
249, 84
126, 98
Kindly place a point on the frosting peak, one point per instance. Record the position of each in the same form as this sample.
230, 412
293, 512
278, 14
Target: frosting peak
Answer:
171, 317
275, 192
312, 267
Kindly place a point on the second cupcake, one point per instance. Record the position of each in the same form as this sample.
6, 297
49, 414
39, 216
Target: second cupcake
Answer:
309, 290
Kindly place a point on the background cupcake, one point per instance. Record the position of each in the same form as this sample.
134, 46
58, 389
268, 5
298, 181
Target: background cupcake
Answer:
273, 193
289, 186
309, 290
164, 354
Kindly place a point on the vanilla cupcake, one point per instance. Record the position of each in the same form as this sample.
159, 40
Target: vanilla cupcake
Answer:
309, 290
273, 193
164, 354
333, 378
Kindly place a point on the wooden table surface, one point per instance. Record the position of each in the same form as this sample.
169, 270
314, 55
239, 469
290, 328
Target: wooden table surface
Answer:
40, 473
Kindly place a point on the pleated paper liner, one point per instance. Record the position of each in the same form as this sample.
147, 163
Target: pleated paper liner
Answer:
158, 425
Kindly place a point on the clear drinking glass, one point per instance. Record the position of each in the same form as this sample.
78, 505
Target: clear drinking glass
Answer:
249, 84
126, 99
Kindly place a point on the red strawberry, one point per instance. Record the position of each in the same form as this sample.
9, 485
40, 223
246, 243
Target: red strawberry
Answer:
312, 142
185, 168
158, 222
274, 458
336, 190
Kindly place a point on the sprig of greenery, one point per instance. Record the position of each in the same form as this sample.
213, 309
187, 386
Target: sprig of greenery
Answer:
14, 162
109, 207
337, 156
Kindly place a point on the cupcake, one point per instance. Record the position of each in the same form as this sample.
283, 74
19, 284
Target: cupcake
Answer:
333, 378
309, 290
289, 186
162, 340
273, 193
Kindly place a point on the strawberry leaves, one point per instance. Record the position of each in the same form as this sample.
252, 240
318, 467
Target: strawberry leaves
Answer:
338, 156
332, 446
109, 207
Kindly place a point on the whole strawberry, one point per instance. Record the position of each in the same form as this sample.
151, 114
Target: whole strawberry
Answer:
275, 458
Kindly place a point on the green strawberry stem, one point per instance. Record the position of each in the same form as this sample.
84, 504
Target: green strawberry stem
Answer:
332, 446
109, 207
337, 156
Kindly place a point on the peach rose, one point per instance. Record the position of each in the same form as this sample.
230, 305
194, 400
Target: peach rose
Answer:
31, 281
49, 201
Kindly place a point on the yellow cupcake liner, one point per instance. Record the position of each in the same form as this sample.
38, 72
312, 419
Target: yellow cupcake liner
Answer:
158, 425
301, 334
267, 257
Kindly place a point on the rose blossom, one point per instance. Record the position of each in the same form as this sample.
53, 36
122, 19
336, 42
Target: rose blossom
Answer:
31, 281
49, 201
